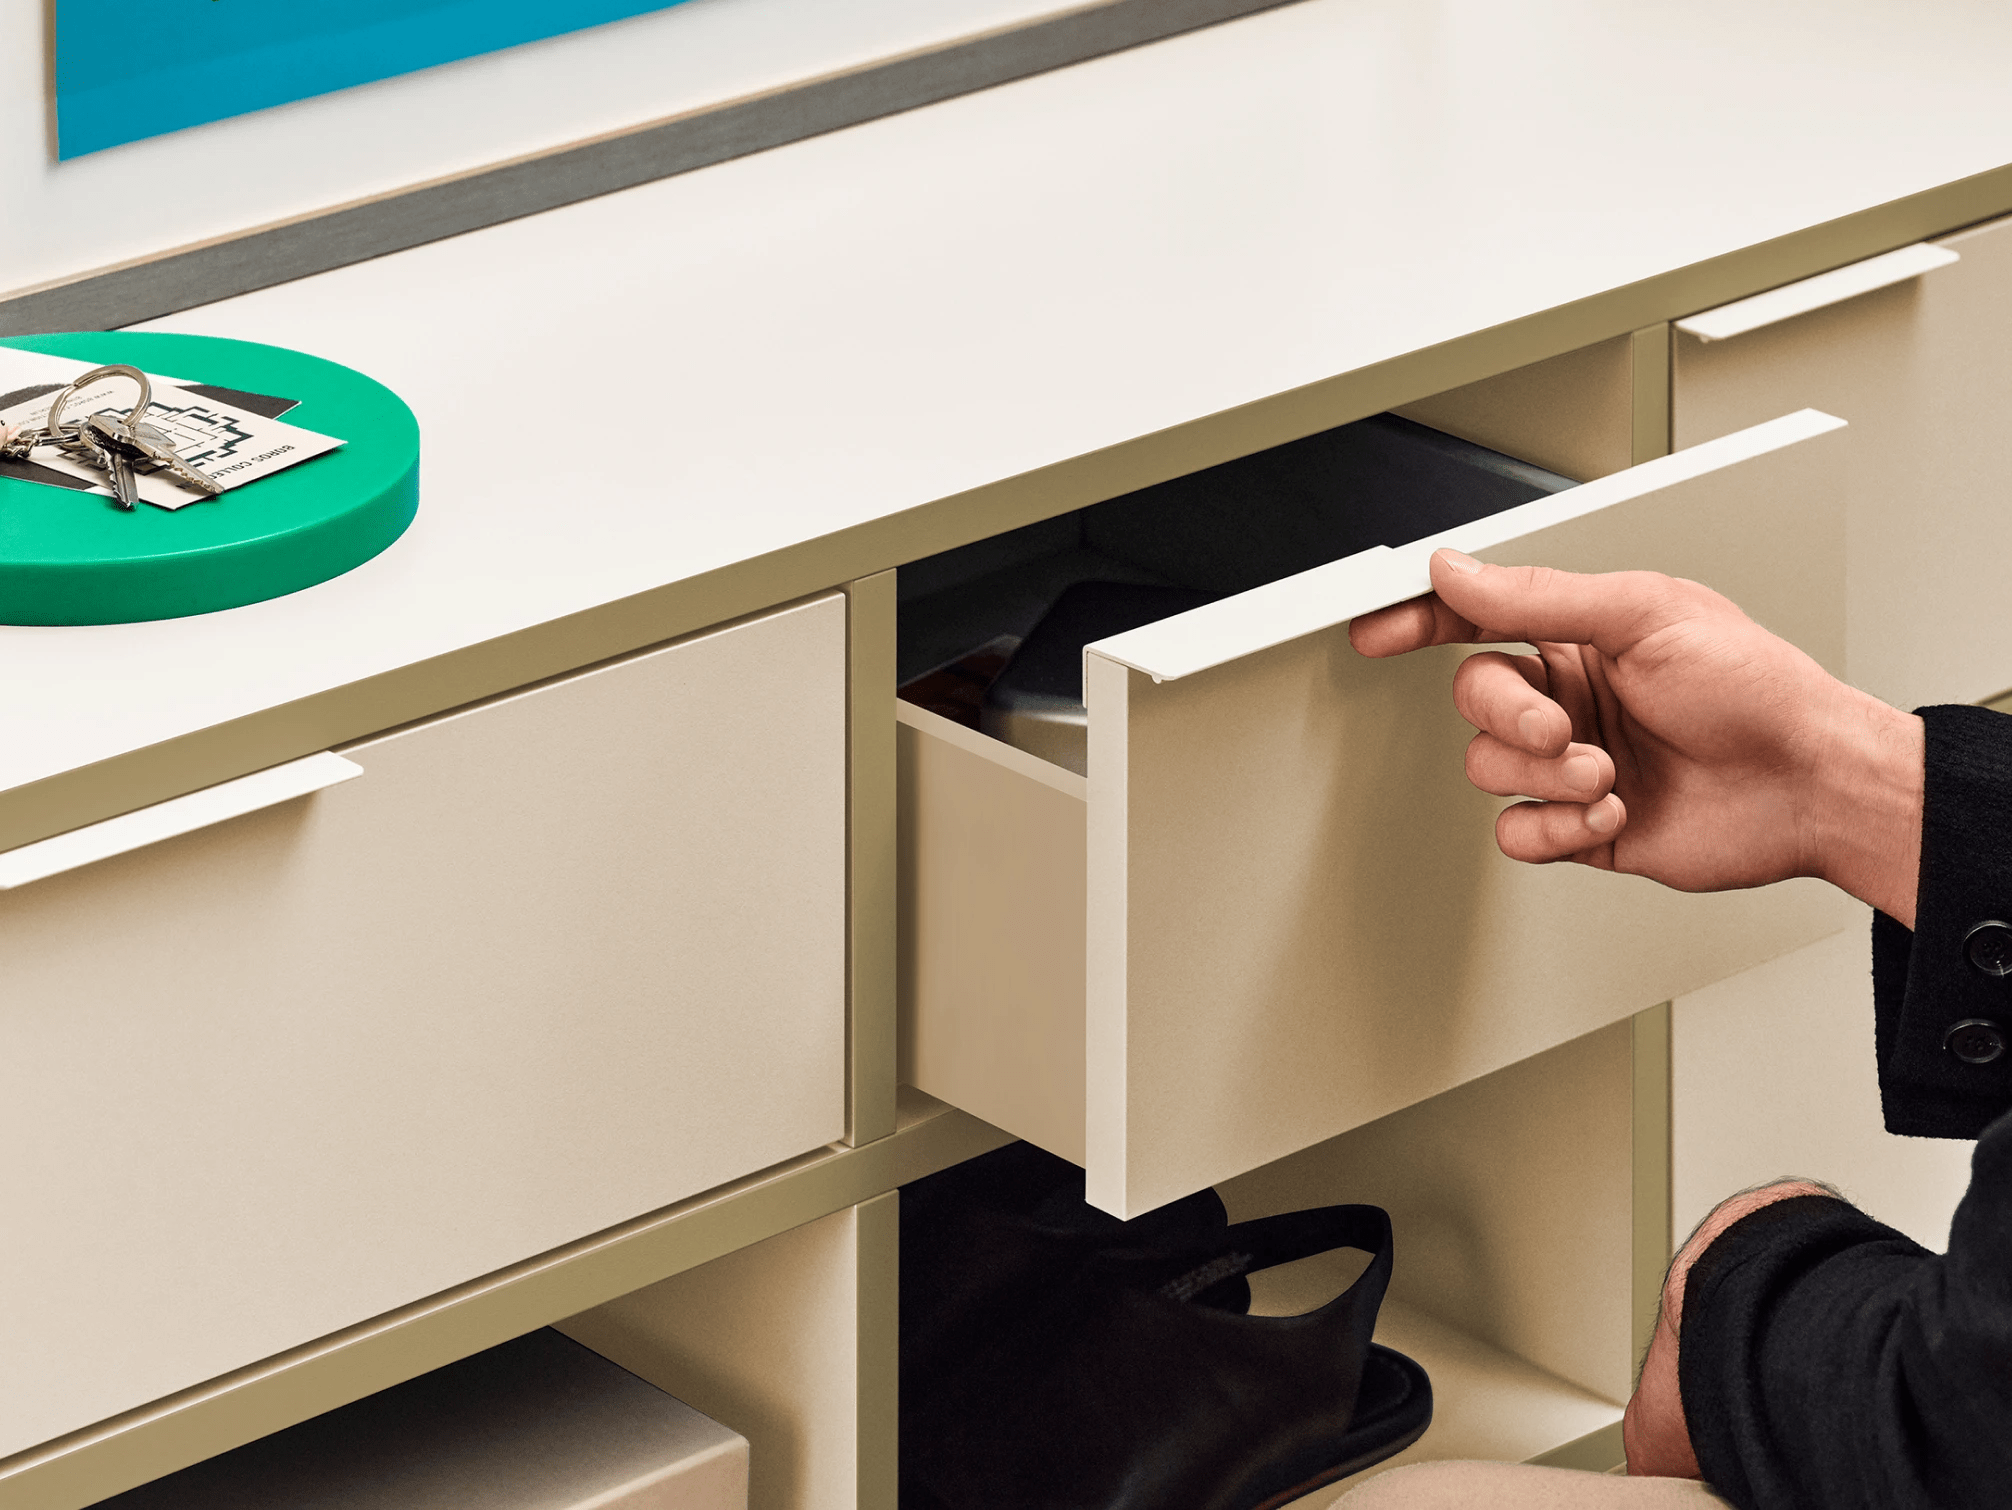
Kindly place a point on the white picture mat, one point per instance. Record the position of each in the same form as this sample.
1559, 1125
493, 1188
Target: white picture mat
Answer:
63, 219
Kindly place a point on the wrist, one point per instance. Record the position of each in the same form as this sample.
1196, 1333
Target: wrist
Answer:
1862, 804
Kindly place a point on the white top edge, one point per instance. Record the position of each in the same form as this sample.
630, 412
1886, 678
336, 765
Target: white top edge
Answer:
1232, 628
178, 815
1833, 287
995, 750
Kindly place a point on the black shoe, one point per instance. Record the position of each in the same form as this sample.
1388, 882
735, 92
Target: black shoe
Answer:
1109, 1366
984, 1240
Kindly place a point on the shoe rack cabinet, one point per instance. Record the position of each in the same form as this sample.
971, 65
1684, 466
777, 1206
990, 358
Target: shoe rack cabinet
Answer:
1634, 1128
654, 948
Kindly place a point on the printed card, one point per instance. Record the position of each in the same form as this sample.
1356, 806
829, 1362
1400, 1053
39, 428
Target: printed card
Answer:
231, 437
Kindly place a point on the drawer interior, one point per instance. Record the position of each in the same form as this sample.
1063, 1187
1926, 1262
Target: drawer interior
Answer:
1384, 481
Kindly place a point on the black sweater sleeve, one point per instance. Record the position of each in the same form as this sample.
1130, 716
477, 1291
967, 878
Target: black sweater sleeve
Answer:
1943, 1018
1827, 1361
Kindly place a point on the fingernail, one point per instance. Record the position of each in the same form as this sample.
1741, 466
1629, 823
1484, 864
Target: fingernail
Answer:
1603, 816
1459, 562
1533, 726
1581, 772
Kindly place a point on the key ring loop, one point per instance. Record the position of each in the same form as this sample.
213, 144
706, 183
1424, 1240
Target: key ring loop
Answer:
52, 426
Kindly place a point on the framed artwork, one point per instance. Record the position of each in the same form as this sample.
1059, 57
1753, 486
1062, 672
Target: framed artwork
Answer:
128, 69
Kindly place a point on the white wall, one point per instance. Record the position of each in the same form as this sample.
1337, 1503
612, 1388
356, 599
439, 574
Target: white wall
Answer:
1772, 1073
60, 219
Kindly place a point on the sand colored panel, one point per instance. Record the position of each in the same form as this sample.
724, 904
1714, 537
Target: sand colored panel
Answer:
1772, 1074
992, 919
539, 1423
1299, 920
765, 1341
1571, 413
870, 858
1511, 1201
548, 964
1923, 372
1650, 1244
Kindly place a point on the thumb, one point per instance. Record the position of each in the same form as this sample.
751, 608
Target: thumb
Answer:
1610, 611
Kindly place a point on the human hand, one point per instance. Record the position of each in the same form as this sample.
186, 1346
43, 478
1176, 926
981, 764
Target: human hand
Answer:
1663, 733
1653, 1431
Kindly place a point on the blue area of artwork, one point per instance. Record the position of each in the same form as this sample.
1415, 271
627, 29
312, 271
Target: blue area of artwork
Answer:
127, 69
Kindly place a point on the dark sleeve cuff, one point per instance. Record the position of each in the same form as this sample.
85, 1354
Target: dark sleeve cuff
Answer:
1944, 1019
1780, 1358
1827, 1360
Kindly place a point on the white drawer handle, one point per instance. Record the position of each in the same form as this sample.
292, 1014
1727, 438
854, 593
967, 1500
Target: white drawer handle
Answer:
1833, 287
1231, 628
178, 815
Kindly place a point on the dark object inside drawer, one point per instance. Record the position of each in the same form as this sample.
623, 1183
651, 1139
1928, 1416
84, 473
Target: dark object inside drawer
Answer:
1036, 702
1379, 481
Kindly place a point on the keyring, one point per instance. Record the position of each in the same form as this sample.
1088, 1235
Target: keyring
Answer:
52, 426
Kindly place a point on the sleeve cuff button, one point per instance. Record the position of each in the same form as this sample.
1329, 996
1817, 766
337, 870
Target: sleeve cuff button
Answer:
1975, 1040
1988, 947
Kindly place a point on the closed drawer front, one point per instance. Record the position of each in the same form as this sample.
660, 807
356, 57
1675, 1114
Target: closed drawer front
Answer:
1273, 910
1922, 371
545, 965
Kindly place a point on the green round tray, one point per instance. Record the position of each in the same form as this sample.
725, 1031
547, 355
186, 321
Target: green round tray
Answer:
76, 558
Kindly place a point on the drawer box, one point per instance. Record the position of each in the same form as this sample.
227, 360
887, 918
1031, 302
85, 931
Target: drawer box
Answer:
540, 1423
547, 964
1274, 910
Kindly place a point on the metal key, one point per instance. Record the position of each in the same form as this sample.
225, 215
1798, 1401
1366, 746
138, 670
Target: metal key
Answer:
117, 445
107, 436
146, 445
84, 443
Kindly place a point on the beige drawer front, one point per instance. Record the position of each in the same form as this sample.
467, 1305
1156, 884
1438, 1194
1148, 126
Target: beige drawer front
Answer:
1922, 371
1294, 919
545, 965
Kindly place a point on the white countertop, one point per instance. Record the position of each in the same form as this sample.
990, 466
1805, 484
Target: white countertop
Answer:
804, 345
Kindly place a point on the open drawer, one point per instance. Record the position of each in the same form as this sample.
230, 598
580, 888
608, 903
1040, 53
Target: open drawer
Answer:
1273, 910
